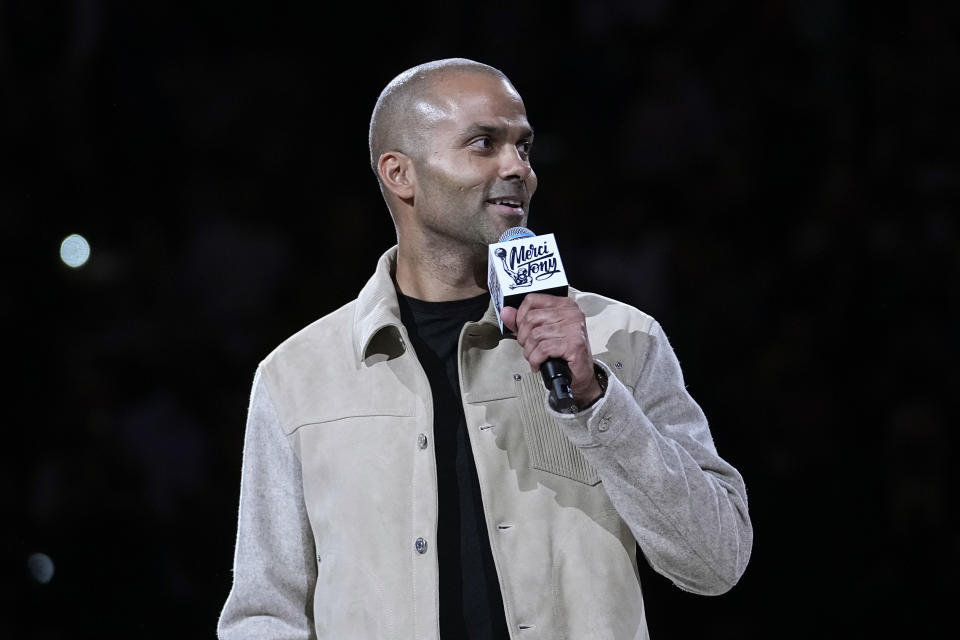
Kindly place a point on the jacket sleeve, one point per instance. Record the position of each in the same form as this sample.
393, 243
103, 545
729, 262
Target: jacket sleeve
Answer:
273, 569
686, 506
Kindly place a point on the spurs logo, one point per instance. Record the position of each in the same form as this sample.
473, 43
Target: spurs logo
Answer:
526, 264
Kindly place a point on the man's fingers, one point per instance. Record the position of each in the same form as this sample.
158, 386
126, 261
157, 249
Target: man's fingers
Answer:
539, 352
567, 346
541, 322
538, 307
509, 317
537, 300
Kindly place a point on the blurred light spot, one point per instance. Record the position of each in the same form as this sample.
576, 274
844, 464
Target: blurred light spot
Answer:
41, 567
74, 250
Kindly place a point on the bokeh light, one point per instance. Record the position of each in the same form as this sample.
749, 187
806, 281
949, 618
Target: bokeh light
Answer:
74, 250
40, 566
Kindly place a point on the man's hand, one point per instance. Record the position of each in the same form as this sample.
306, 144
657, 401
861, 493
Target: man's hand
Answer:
555, 327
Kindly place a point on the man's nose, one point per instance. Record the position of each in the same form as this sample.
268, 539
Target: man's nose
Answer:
514, 164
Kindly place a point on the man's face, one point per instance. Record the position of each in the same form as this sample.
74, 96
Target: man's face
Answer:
474, 179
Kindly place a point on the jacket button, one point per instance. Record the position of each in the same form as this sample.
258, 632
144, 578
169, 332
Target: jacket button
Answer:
420, 545
604, 423
517, 377
422, 441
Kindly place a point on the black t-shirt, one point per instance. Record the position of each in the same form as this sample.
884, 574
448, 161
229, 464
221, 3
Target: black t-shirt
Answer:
471, 605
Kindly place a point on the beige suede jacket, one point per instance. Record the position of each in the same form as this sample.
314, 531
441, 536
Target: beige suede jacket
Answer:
338, 499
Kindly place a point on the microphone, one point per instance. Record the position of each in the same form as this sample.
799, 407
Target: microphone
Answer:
519, 263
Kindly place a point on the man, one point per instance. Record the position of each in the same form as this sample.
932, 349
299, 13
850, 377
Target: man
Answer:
404, 475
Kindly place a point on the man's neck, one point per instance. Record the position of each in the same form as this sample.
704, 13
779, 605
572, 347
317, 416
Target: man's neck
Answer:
437, 277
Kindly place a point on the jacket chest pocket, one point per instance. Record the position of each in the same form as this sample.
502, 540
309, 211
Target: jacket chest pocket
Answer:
550, 450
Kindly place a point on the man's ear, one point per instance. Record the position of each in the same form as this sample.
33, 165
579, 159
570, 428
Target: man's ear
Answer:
397, 174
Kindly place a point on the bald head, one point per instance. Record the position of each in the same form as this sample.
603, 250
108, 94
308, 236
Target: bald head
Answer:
408, 104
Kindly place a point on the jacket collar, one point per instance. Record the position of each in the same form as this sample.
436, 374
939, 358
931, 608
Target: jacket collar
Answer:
377, 308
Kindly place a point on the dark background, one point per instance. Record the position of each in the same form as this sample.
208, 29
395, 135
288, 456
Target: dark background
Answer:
775, 182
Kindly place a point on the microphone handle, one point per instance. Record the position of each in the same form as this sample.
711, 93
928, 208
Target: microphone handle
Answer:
556, 377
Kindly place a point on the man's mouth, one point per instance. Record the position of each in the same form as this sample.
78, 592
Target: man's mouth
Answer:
508, 204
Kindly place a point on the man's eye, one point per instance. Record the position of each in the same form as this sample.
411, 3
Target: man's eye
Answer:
524, 147
482, 143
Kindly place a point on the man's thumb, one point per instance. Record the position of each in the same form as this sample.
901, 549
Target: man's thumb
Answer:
509, 317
